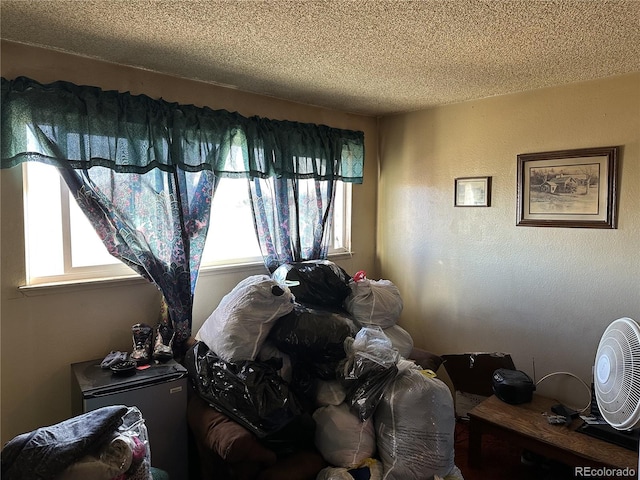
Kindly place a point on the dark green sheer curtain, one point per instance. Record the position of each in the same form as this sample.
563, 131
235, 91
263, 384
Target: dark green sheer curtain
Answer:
144, 171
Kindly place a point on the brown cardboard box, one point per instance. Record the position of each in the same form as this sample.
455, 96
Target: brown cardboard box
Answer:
471, 375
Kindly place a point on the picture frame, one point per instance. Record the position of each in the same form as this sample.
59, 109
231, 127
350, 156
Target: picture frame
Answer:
568, 188
472, 192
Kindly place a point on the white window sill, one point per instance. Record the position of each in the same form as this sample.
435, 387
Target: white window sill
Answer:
70, 286
78, 285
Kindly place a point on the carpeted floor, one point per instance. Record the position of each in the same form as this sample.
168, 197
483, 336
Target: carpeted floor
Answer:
502, 460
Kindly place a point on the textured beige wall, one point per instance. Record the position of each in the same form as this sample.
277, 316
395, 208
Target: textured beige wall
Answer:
473, 281
42, 335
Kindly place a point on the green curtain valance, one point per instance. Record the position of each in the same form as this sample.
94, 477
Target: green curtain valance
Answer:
79, 127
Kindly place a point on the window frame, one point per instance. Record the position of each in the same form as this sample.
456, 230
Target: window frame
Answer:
120, 271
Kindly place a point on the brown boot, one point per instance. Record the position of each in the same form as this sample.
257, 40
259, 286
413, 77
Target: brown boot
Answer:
142, 337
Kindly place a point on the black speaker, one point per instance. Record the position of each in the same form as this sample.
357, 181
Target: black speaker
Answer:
512, 386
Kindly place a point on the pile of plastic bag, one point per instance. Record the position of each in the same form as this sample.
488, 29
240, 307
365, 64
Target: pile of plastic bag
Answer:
311, 355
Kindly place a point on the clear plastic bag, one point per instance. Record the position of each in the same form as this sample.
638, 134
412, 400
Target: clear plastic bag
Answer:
370, 366
134, 430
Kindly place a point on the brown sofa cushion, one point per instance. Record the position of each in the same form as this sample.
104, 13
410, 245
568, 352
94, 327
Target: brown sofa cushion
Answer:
244, 456
232, 442
427, 360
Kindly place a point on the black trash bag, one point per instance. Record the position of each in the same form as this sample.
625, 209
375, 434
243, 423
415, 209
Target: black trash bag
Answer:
305, 377
319, 283
303, 383
298, 435
314, 336
249, 392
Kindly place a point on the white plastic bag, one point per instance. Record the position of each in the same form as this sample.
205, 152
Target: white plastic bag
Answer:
374, 302
415, 424
373, 466
269, 352
341, 438
329, 392
400, 339
238, 327
334, 473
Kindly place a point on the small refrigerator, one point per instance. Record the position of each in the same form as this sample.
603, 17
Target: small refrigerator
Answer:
159, 392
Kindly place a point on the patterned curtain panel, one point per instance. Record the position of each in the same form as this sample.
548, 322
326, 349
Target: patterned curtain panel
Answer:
156, 223
292, 218
144, 171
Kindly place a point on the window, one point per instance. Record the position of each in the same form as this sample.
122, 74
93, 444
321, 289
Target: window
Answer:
61, 244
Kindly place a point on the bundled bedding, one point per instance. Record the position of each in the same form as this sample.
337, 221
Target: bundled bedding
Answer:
104, 444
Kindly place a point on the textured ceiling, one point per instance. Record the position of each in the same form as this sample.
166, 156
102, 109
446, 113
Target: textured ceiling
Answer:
369, 57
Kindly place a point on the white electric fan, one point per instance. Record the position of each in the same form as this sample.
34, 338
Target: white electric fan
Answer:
616, 377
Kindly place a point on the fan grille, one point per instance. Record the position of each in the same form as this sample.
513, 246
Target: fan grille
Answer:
617, 374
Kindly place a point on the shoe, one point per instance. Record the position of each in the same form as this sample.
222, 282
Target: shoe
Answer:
163, 347
142, 338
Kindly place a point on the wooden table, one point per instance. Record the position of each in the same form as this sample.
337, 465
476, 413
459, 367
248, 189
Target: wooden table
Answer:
526, 425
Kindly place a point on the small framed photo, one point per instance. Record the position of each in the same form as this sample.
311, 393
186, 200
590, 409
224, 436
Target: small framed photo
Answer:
472, 192
568, 188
